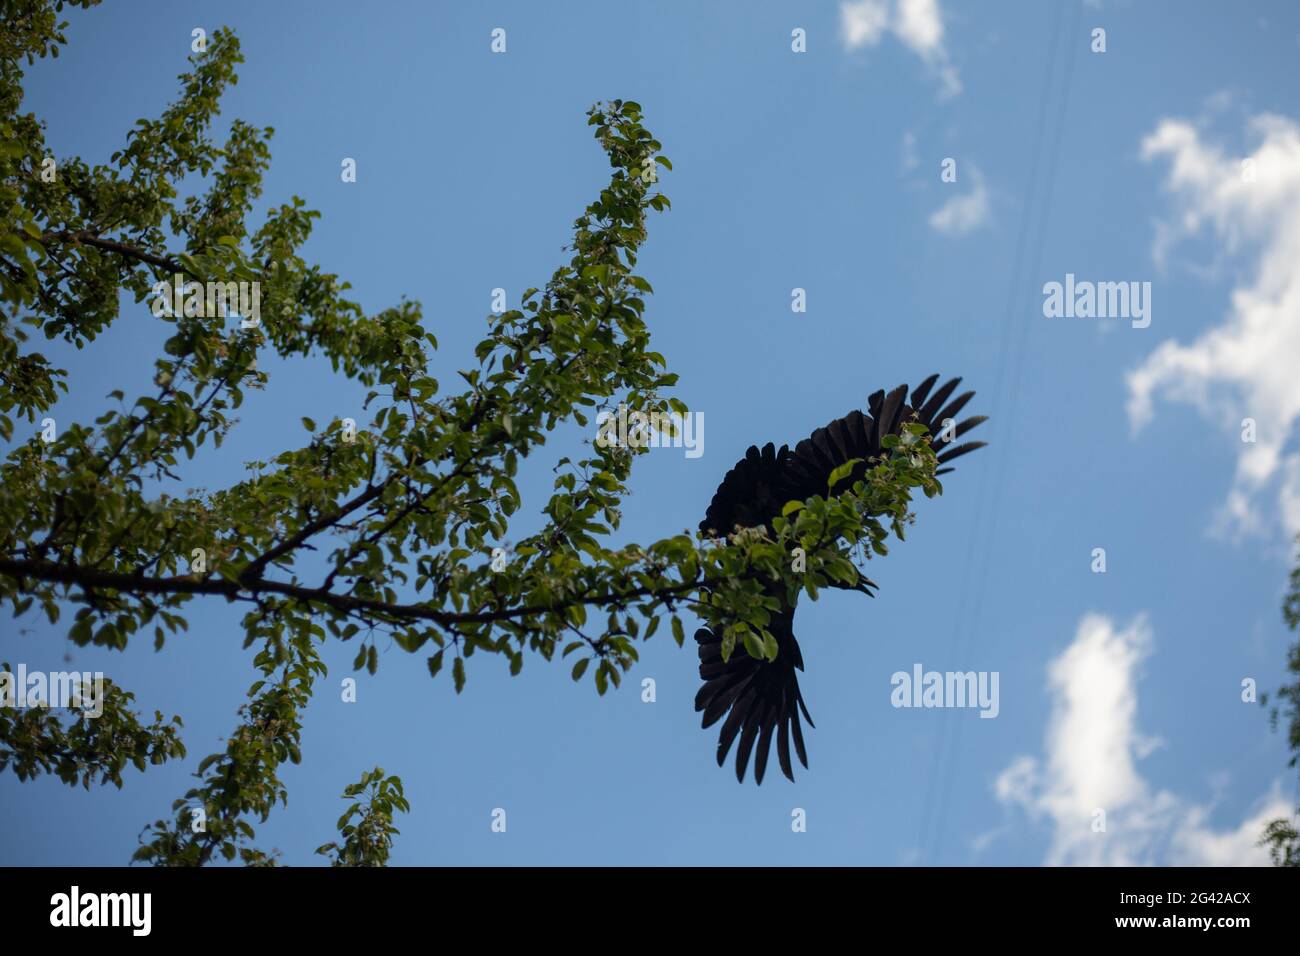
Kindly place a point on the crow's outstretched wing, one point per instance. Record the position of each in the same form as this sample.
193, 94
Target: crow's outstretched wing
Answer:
859, 436
760, 699
757, 488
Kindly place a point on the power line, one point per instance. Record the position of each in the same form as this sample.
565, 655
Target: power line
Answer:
1005, 410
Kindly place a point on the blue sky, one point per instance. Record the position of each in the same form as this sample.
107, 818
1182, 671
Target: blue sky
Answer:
822, 171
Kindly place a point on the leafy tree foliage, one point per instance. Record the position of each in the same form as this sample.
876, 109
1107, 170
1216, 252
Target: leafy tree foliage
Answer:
367, 826
1281, 836
89, 749
240, 782
349, 536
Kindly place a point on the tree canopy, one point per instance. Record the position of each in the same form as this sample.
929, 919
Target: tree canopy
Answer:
380, 529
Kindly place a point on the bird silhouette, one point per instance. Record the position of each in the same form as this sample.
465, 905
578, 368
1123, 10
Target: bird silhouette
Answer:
761, 699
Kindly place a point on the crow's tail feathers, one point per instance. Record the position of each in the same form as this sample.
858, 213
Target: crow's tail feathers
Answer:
760, 699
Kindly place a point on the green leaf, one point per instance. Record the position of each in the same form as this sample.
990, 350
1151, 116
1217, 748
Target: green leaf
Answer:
841, 472
434, 663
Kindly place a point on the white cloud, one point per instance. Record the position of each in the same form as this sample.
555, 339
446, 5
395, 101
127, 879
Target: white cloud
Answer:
1092, 749
918, 24
966, 212
863, 22
1244, 367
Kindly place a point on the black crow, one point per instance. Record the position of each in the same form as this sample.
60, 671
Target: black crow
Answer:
761, 699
